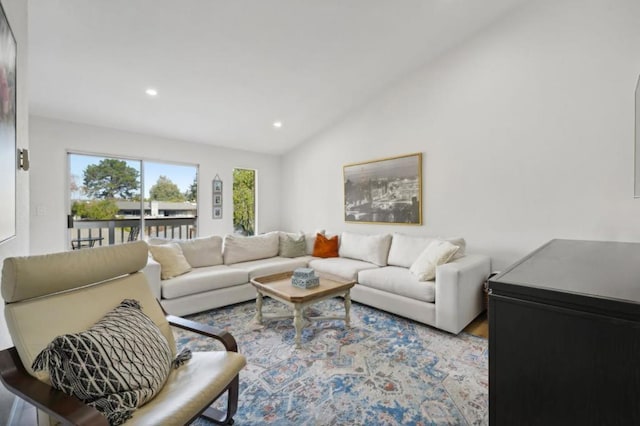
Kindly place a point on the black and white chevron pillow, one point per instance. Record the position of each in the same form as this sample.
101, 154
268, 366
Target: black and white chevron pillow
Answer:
117, 365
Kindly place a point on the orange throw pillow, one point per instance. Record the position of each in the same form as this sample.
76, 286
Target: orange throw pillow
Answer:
325, 247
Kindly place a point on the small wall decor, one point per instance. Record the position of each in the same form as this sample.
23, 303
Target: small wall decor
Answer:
384, 191
217, 197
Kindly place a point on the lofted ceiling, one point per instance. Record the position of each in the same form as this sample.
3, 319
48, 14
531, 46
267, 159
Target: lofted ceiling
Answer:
225, 71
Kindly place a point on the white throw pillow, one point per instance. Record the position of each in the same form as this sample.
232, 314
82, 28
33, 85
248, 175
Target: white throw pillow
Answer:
369, 248
204, 251
243, 249
437, 253
172, 261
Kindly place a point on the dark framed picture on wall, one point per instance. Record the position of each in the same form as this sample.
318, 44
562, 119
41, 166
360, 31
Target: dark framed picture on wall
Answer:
8, 147
217, 197
388, 190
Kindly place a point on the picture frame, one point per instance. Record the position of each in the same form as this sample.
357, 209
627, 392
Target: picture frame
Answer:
384, 191
217, 198
8, 139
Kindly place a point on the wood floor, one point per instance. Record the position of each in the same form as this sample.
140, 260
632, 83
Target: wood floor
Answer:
479, 326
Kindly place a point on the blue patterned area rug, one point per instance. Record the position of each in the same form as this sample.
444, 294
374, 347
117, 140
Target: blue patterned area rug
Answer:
383, 370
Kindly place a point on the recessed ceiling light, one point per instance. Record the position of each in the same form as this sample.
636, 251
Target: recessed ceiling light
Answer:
277, 124
151, 92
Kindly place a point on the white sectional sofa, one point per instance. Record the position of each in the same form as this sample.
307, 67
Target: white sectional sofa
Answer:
381, 265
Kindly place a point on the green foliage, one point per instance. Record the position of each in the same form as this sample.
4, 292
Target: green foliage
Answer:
191, 194
165, 190
244, 201
96, 209
111, 178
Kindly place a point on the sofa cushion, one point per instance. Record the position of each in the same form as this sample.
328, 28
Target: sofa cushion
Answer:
292, 245
461, 243
273, 265
340, 267
310, 240
400, 281
172, 261
199, 252
242, 249
203, 279
370, 248
437, 253
405, 249
326, 247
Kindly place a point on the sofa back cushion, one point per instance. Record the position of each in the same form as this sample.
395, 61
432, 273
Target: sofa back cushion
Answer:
369, 248
204, 251
405, 249
460, 243
310, 240
243, 249
171, 259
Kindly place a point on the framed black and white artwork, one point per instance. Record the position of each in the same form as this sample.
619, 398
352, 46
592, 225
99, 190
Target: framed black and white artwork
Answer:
387, 190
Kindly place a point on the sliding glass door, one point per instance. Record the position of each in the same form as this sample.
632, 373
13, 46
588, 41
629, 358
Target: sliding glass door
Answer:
116, 200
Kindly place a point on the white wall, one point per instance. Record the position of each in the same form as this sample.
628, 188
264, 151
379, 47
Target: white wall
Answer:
52, 139
16, 11
527, 133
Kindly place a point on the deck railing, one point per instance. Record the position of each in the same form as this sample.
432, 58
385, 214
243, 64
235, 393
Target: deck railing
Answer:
117, 231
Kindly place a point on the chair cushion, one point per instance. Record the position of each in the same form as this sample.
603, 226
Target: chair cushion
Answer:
27, 277
121, 362
189, 388
172, 261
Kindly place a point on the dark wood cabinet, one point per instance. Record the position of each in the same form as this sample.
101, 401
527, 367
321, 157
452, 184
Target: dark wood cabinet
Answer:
564, 336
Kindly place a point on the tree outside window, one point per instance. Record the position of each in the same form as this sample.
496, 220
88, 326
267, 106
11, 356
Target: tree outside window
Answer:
244, 201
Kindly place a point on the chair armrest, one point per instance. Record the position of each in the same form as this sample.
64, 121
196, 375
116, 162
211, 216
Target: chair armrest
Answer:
152, 272
65, 408
459, 291
227, 339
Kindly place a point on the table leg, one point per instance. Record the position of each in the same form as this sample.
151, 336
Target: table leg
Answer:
347, 308
297, 323
259, 308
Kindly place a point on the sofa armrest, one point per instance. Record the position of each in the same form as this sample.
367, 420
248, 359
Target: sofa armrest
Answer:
152, 272
459, 291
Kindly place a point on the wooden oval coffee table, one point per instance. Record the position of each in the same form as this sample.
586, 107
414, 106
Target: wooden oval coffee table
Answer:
279, 287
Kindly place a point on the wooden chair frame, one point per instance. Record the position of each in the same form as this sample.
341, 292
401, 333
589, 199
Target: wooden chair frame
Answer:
72, 411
